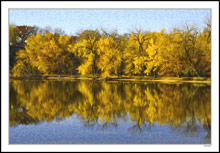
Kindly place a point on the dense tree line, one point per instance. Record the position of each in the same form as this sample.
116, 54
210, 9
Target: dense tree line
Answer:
180, 52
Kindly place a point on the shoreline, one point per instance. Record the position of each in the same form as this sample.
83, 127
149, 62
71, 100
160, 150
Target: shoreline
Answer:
124, 78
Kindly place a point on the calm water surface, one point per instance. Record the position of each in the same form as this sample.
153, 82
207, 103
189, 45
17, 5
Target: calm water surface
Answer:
95, 112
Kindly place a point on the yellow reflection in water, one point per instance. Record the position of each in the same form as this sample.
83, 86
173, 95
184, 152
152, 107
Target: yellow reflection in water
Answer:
174, 105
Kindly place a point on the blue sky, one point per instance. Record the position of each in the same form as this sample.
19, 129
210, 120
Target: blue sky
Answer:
124, 20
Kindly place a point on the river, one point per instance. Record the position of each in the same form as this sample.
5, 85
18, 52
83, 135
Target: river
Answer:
109, 112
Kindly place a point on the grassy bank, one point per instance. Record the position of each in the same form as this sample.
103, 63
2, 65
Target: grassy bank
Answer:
116, 78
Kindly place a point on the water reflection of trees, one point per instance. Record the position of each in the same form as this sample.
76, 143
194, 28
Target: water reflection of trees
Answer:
180, 105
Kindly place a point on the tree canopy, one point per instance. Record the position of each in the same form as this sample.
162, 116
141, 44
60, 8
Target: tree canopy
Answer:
181, 52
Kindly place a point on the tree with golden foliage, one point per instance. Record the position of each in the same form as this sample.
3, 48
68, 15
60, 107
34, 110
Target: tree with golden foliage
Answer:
86, 50
135, 53
181, 52
44, 54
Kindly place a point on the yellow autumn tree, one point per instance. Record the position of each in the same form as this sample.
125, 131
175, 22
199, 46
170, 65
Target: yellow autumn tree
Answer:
86, 50
135, 53
203, 44
180, 52
165, 54
109, 56
46, 55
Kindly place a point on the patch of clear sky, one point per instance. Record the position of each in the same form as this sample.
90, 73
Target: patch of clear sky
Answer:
124, 20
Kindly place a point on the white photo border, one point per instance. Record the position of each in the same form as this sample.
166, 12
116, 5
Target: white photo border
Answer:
109, 5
